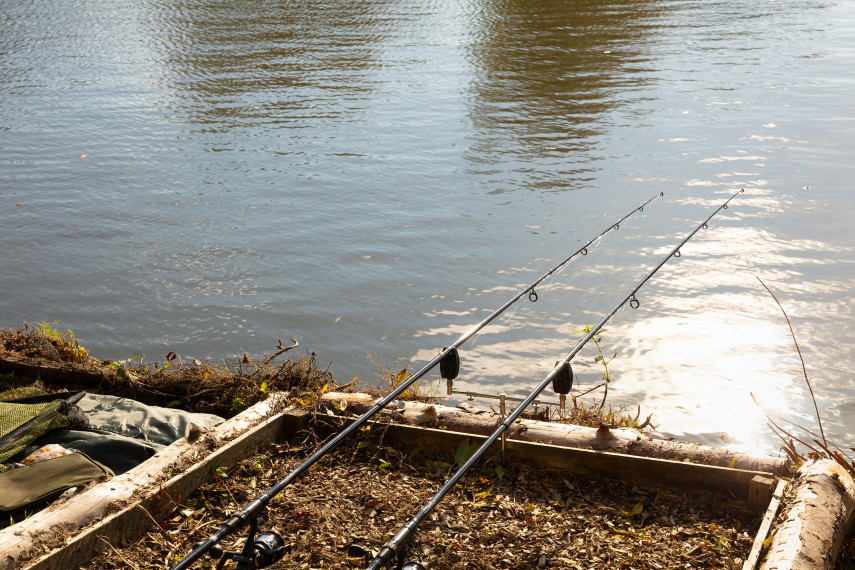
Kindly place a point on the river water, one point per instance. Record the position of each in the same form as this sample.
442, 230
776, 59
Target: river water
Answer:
375, 177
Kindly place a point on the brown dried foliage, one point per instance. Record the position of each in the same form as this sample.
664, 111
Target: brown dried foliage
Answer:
223, 389
528, 518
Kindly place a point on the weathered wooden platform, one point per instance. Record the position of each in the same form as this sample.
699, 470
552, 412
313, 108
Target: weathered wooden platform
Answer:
69, 534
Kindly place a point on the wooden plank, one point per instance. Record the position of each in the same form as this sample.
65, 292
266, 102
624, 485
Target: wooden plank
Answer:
647, 471
771, 513
49, 528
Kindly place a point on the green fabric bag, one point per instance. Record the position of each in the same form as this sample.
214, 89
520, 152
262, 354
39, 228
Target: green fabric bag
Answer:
23, 420
23, 489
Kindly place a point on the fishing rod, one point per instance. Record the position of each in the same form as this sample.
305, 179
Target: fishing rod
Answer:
258, 551
396, 547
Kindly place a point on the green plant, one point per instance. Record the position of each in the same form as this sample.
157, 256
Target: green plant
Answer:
53, 332
124, 367
64, 339
464, 451
601, 358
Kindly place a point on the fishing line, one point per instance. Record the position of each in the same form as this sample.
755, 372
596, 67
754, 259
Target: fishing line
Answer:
552, 284
259, 550
507, 318
395, 549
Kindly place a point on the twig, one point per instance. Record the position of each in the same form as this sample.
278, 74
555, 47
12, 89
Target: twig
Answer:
281, 350
129, 563
804, 429
591, 390
156, 524
804, 368
790, 446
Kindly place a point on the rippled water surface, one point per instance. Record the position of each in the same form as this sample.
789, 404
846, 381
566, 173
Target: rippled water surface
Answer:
375, 177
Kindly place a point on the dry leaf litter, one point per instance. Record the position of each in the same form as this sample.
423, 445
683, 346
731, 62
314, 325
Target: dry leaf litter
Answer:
511, 517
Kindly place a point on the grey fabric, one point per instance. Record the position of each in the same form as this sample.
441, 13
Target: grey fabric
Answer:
123, 433
130, 418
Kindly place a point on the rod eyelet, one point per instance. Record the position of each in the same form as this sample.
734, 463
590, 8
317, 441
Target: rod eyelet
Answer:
584, 251
532, 296
634, 303
677, 253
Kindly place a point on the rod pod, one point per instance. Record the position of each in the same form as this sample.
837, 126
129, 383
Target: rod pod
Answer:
396, 547
252, 510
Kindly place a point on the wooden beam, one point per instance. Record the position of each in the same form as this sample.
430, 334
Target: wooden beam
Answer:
763, 531
647, 471
760, 493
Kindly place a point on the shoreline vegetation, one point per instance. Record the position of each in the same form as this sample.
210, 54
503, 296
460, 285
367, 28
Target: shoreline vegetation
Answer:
497, 518
54, 359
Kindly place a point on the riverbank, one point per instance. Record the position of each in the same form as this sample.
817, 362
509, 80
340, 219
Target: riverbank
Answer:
623, 523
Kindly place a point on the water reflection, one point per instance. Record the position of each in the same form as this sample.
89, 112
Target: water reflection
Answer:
707, 336
548, 80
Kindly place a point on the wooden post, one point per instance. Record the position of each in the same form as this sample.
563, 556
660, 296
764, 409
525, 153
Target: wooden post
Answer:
760, 493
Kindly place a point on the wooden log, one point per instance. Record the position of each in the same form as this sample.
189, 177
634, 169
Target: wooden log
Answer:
628, 441
646, 471
56, 372
818, 514
47, 530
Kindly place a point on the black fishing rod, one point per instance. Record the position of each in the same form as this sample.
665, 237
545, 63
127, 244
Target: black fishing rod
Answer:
257, 552
396, 548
